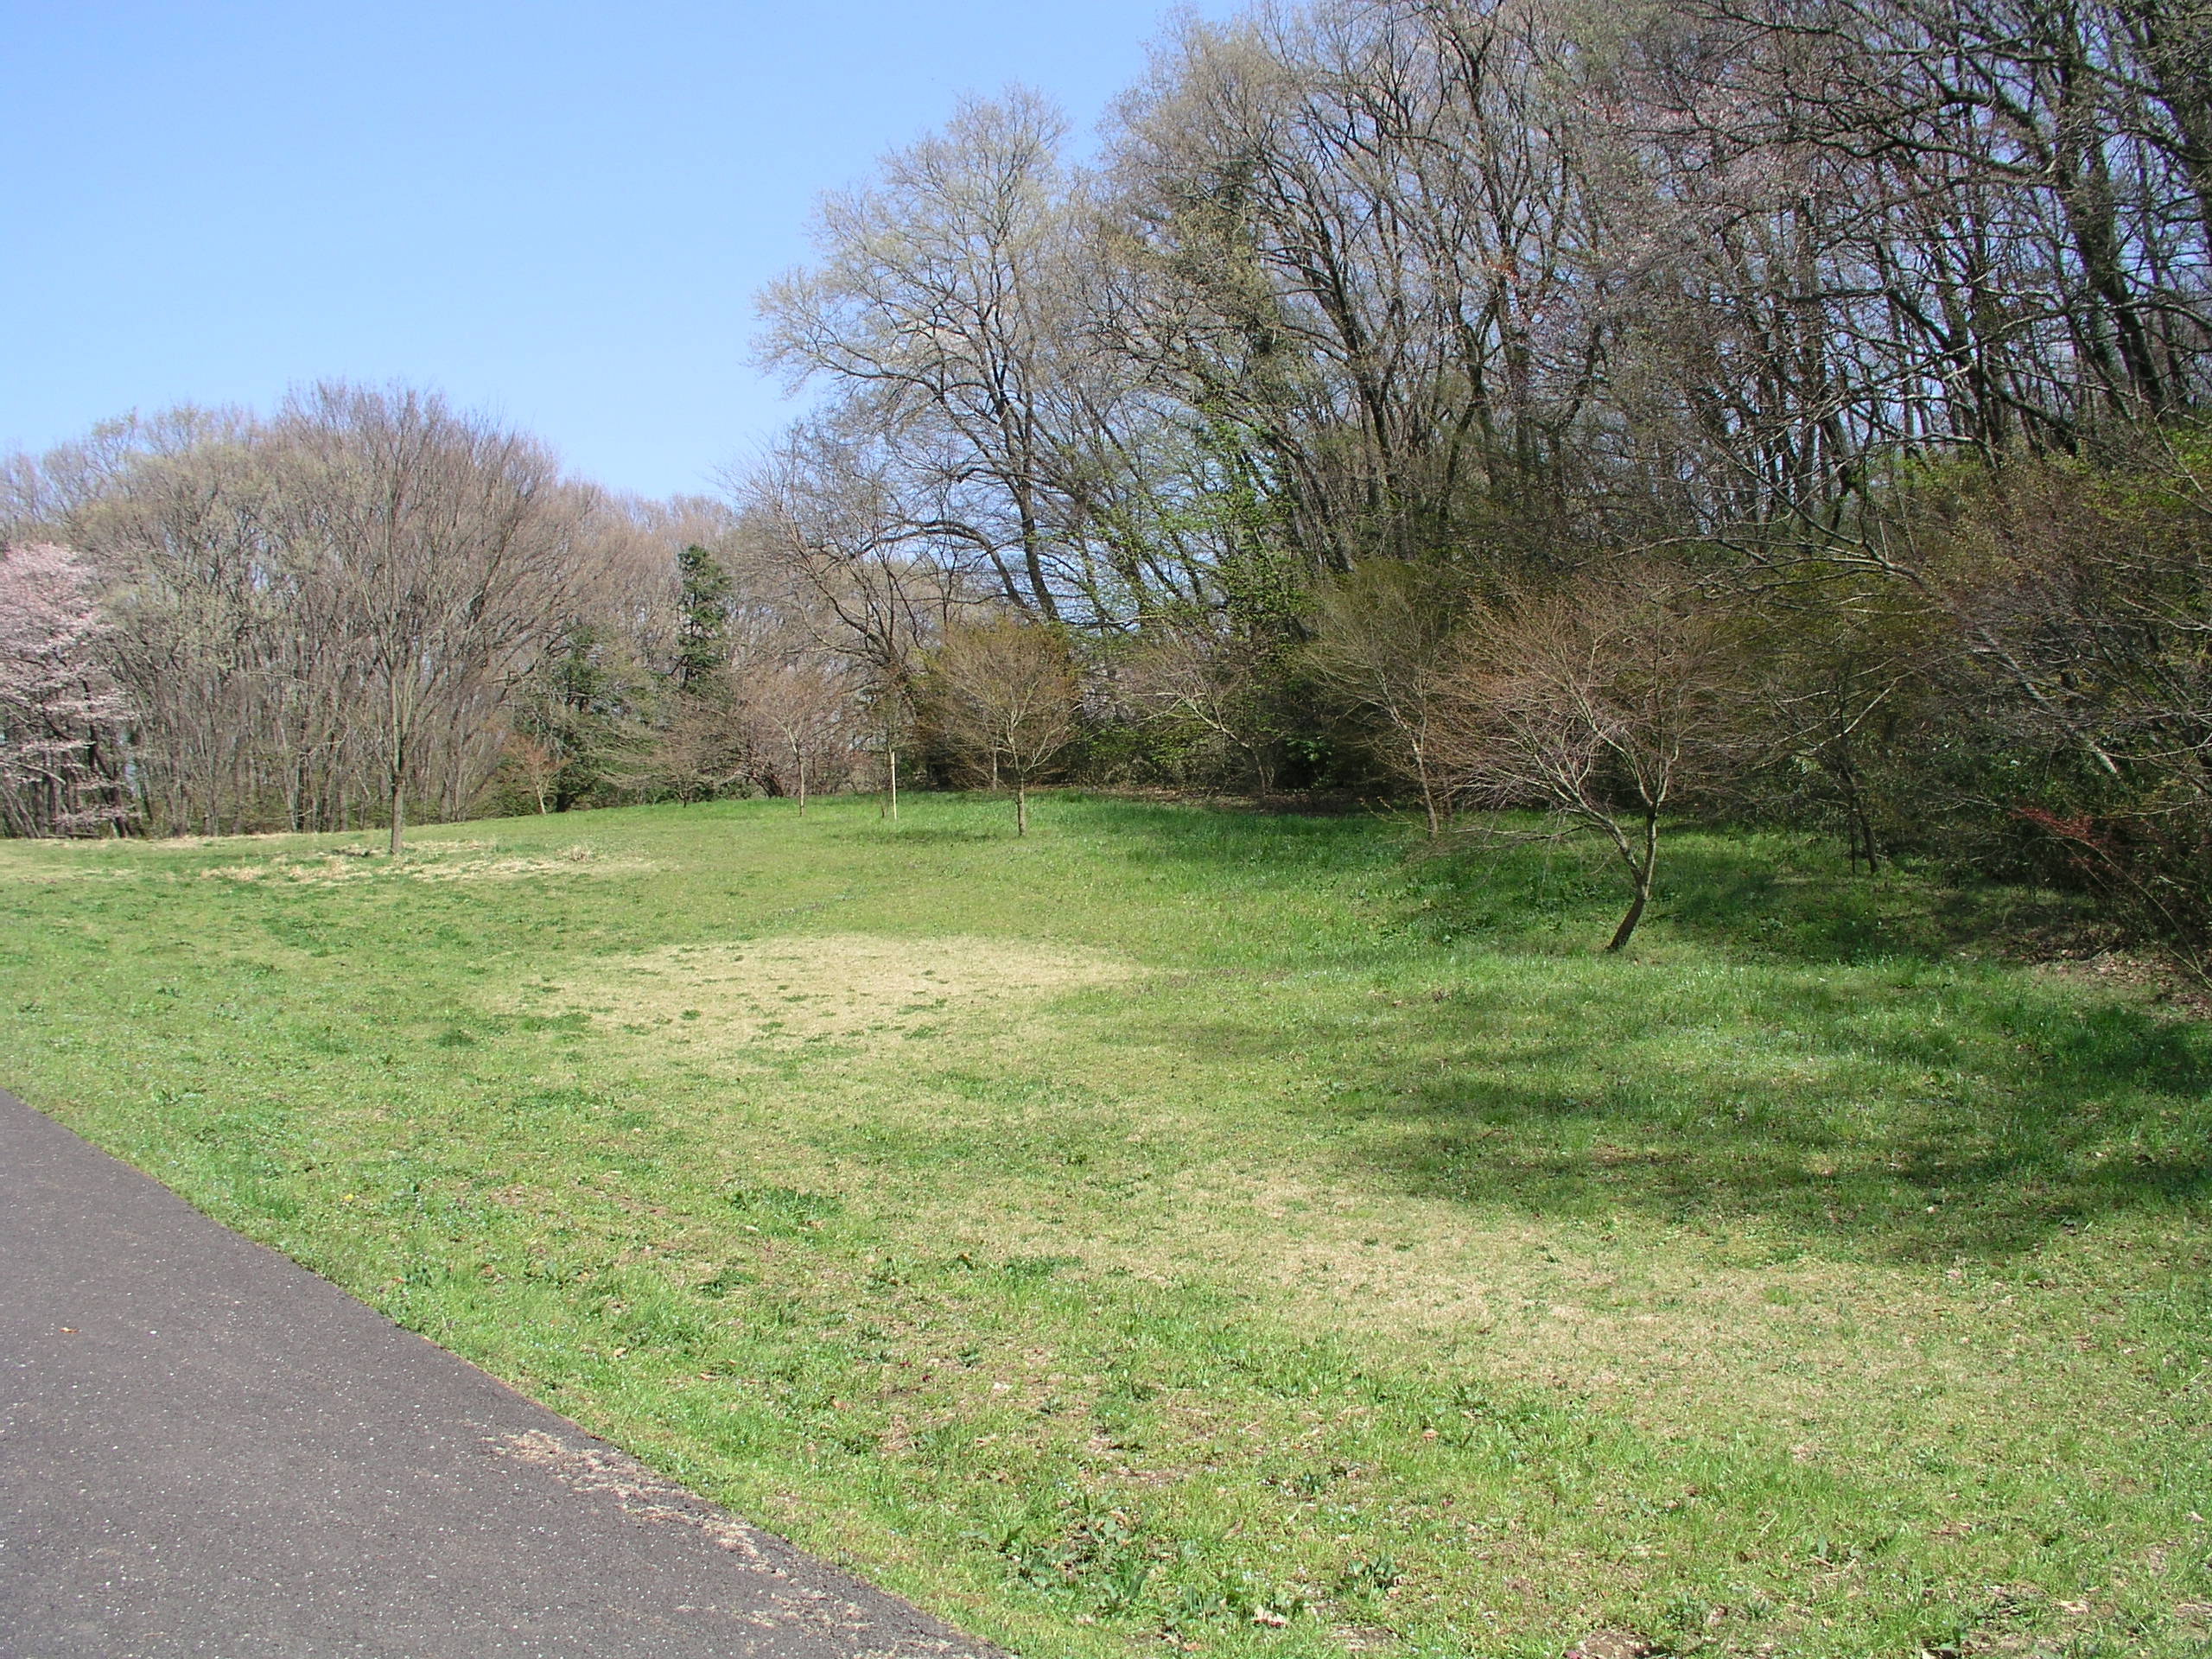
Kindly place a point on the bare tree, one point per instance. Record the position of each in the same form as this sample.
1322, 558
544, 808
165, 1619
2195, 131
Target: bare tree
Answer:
1380, 635
324, 615
535, 766
1209, 688
1362, 235
453, 565
886, 721
1006, 696
1602, 702
821, 512
801, 714
939, 312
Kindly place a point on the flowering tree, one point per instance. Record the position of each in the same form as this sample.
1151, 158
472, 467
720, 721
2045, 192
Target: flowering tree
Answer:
61, 714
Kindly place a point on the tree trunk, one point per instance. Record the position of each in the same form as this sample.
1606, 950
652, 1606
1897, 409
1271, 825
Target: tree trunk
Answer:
801, 786
1032, 551
398, 766
895, 785
1858, 838
1640, 875
1021, 809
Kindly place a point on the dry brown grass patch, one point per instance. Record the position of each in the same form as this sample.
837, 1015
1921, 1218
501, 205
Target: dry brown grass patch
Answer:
445, 860
1663, 1333
838, 985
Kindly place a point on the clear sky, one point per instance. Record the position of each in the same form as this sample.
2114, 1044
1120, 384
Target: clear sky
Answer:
552, 210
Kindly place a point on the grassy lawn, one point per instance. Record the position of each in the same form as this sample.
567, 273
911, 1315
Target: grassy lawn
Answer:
1218, 1231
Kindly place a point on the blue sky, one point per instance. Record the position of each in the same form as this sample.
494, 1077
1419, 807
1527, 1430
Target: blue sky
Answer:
558, 212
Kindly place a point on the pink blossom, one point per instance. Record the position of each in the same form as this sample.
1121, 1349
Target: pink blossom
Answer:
62, 717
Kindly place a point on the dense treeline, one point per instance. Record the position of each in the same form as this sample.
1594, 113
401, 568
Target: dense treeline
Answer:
368, 607
1778, 409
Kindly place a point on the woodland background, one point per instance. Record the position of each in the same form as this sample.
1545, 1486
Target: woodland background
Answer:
1770, 412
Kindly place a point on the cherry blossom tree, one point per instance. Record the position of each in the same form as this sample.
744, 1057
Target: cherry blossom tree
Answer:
62, 718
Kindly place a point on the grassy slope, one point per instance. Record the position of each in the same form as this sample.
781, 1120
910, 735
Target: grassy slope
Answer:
1339, 1255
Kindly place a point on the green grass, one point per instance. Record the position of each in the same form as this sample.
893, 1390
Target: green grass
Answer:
1226, 1231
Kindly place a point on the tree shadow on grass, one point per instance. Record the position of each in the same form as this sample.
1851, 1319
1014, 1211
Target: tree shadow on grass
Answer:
1788, 905
1201, 834
1850, 1062
1863, 1114
1843, 1061
917, 835
1756, 896
1885, 1113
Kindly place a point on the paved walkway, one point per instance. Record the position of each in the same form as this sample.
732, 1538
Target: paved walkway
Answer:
206, 1449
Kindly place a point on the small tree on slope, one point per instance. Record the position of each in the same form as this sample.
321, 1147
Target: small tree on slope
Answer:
1007, 697
1603, 702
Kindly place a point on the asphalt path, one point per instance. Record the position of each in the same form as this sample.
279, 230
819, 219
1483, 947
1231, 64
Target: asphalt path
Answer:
207, 1450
